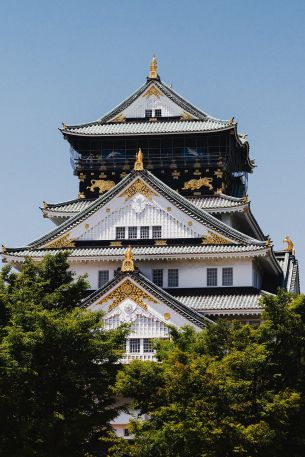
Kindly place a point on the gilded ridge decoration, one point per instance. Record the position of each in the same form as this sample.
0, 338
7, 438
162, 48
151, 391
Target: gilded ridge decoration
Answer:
194, 184
153, 69
101, 184
119, 118
138, 187
214, 238
290, 244
153, 91
127, 290
62, 242
128, 263
138, 166
186, 116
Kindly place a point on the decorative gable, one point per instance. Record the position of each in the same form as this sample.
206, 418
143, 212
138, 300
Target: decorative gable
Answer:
129, 302
142, 202
152, 99
138, 211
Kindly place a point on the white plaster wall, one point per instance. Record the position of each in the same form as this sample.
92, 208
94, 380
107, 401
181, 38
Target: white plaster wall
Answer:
192, 273
151, 215
138, 107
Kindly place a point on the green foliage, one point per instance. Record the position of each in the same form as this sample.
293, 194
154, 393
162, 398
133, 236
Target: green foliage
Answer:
57, 365
230, 390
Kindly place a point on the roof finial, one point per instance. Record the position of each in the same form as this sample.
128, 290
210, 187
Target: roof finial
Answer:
128, 263
153, 73
138, 165
290, 244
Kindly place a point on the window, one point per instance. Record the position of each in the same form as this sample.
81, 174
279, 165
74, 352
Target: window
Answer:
158, 113
157, 231
126, 432
211, 277
148, 345
120, 233
132, 232
148, 113
255, 279
103, 277
158, 277
134, 345
227, 276
144, 232
173, 278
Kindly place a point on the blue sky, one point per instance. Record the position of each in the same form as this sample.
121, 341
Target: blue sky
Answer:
74, 60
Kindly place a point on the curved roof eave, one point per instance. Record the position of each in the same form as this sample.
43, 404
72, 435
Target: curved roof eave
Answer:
212, 222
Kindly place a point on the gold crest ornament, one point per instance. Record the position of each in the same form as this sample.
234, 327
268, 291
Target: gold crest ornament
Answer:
128, 290
128, 263
138, 166
290, 244
153, 71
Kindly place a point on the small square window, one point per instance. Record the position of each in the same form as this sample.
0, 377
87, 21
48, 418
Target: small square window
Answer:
148, 113
132, 232
144, 232
158, 113
103, 278
227, 276
157, 231
173, 278
134, 345
148, 345
211, 277
120, 233
126, 432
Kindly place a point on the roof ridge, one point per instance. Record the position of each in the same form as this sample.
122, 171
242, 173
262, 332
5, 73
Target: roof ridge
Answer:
212, 222
69, 202
184, 100
167, 91
140, 278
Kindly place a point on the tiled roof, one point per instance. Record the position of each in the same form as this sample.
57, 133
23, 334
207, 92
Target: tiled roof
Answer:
146, 128
216, 202
157, 291
206, 203
140, 252
290, 267
167, 91
181, 202
246, 303
73, 206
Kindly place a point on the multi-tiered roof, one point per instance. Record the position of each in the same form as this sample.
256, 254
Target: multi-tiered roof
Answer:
191, 174
190, 150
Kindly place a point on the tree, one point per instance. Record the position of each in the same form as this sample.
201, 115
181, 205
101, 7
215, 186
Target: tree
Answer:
57, 364
229, 390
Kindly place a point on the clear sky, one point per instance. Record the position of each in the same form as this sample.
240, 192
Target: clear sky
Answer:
74, 60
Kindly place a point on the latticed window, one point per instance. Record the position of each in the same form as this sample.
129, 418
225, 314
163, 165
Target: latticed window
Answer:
227, 276
157, 276
132, 232
148, 113
211, 277
157, 231
158, 113
173, 277
134, 345
120, 233
144, 232
148, 345
103, 277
